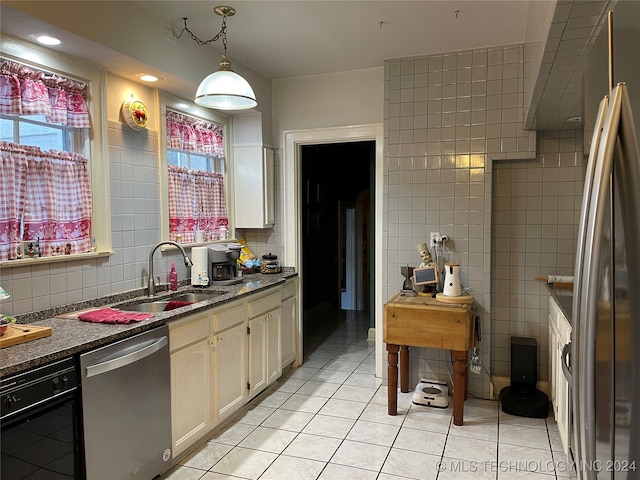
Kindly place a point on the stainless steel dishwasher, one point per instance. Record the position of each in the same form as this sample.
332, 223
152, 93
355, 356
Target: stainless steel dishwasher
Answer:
126, 403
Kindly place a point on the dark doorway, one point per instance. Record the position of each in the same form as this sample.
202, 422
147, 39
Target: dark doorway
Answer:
336, 232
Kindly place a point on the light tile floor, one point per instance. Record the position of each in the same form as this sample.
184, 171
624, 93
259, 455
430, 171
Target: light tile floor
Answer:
328, 420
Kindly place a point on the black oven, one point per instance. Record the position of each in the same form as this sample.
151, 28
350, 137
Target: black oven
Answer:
39, 421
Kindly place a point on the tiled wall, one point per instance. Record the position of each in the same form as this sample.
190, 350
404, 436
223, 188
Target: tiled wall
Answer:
447, 117
536, 209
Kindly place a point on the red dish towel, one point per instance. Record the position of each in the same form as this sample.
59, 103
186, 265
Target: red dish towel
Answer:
111, 315
175, 304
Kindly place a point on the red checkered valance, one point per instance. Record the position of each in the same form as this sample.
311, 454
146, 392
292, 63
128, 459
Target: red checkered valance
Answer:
25, 91
194, 135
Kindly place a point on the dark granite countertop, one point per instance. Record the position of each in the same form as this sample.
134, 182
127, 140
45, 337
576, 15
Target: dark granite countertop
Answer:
70, 337
564, 298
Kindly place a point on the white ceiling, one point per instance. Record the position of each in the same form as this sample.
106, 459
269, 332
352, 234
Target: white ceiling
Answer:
281, 39
295, 38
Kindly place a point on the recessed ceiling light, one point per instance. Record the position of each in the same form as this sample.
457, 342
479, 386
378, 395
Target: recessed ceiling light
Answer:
47, 40
574, 119
148, 78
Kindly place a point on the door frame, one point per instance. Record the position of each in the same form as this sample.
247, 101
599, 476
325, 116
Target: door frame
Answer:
292, 141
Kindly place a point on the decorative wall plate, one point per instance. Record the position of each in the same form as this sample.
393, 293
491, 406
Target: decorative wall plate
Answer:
135, 114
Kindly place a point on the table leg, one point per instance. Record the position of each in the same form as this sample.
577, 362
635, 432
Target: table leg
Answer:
392, 374
459, 384
404, 369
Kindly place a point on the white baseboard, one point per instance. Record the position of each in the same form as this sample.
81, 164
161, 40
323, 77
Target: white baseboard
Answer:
500, 382
371, 335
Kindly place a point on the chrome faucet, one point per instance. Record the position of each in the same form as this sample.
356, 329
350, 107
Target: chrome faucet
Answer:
151, 282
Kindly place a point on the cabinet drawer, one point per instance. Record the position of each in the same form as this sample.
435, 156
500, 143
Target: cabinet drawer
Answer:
229, 317
186, 331
288, 291
263, 305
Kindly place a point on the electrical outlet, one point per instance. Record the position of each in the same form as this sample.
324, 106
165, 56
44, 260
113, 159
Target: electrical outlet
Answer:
444, 238
434, 238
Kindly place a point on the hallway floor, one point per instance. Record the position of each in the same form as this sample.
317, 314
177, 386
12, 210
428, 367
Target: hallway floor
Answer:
328, 420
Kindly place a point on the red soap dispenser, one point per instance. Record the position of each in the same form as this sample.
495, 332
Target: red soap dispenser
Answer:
173, 277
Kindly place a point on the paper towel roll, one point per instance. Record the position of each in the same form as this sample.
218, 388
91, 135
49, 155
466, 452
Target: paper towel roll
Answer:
200, 269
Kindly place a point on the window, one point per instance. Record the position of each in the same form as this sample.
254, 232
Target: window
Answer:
46, 141
195, 152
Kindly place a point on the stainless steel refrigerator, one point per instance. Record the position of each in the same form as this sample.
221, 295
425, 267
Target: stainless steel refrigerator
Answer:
605, 351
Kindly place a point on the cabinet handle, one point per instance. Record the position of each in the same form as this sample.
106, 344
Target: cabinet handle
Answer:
211, 343
219, 339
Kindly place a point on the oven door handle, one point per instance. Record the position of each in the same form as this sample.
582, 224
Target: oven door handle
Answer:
126, 357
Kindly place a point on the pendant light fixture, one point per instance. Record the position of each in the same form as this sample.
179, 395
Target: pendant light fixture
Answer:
224, 89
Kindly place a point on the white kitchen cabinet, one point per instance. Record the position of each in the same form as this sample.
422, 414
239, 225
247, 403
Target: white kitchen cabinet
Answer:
265, 365
288, 323
254, 183
230, 359
559, 336
191, 380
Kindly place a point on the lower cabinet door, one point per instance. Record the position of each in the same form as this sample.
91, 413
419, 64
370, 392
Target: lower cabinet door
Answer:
191, 394
230, 360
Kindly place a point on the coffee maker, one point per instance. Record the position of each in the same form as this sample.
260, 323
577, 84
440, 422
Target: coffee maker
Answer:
223, 259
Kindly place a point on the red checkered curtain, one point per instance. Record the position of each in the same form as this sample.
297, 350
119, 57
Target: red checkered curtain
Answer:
196, 202
51, 193
196, 197
24, 91
13, 178
212, 207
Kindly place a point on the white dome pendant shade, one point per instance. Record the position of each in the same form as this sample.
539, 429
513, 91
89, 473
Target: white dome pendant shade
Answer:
225, 90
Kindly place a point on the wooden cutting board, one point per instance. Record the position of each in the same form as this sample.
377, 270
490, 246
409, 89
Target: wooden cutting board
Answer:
20, 333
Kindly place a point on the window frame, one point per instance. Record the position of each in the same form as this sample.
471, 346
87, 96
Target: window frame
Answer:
96, 149
180, 105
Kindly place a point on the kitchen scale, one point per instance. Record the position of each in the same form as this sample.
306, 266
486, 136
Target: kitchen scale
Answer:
431, 393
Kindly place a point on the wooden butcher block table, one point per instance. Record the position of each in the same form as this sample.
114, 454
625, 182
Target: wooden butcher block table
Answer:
426, 322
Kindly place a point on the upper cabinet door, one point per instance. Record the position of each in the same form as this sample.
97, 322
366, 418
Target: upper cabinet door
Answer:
253, 178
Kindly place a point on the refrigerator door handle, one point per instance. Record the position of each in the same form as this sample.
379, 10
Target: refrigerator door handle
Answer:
617, 144
584, 398
581, 274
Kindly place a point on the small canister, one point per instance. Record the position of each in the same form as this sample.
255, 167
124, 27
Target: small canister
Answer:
270, 264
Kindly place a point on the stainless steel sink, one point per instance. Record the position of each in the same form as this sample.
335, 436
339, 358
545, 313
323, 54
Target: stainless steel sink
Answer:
195, 296
151, 307
159, 305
